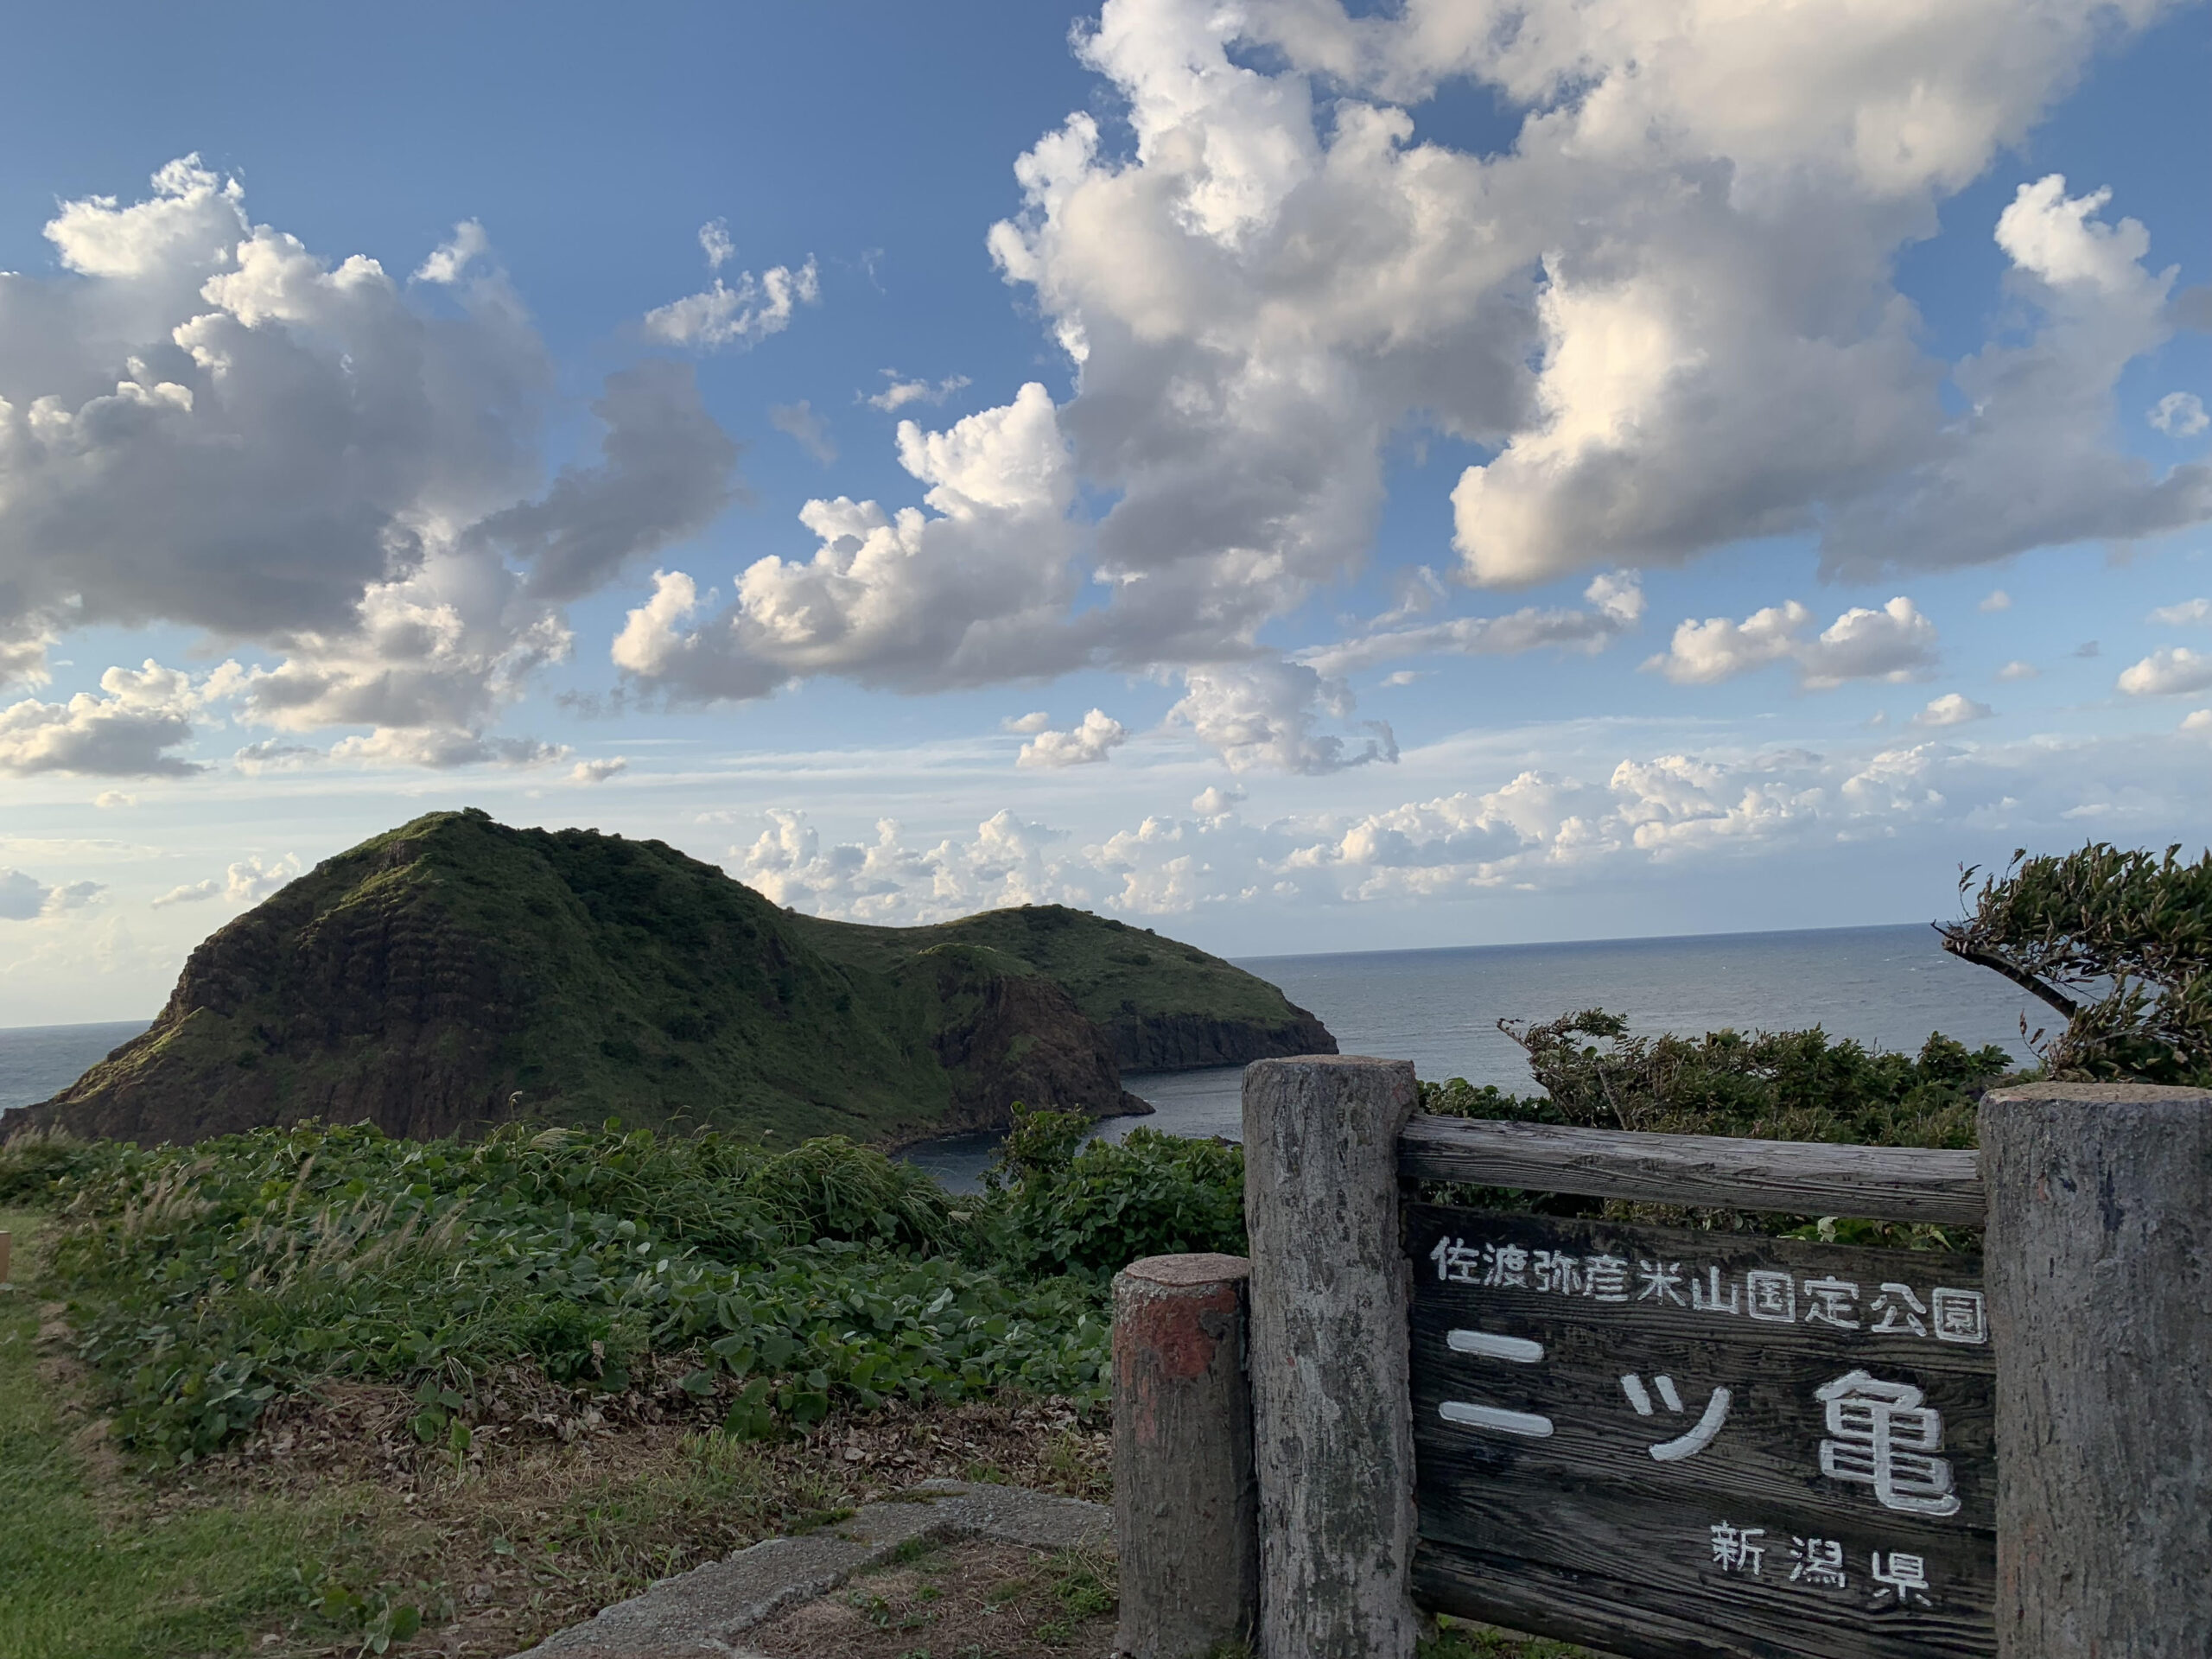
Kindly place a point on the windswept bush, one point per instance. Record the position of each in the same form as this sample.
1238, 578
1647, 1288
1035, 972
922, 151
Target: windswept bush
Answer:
1787, 1085
2118, 943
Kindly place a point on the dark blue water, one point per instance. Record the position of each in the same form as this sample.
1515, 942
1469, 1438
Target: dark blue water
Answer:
37, 1060
1888, 986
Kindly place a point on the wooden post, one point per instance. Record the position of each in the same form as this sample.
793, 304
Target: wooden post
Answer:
1332, 1403
1185, 1522
2099, 1268
4, 1242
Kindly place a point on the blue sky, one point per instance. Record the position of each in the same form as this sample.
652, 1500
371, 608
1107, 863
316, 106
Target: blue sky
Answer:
1306, 479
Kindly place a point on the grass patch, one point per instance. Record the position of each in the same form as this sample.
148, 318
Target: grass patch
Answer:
971, 1600
333, 1529
1456, 1638
92, 1569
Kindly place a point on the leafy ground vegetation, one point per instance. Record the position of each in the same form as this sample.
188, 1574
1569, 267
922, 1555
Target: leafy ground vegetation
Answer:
323, 1391
318, 1390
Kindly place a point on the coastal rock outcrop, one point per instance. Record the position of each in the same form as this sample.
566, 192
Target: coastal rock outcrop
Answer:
455, 973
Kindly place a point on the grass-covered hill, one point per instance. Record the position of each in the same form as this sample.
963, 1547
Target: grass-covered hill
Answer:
1165, 1005
455, 973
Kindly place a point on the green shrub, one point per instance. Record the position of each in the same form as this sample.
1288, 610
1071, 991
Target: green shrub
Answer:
1055, 1210
1789, 1085
37, 1163
2118, 943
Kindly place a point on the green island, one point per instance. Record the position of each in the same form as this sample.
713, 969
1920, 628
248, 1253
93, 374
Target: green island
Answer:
454, 974
310, 1388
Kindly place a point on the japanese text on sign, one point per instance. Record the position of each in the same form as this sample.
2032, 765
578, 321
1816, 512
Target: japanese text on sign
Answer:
1949, 1313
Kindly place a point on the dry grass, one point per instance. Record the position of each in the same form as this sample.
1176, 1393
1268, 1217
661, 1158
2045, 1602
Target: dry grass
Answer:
967, 1601
564, 1503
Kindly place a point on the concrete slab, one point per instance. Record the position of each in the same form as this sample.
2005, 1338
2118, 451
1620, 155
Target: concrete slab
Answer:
704, 1613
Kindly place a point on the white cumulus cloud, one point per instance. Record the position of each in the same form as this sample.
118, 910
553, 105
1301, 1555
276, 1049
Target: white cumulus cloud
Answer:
971, 591
1088, 743
1952, 709
901, 392
24, 898
1213, 801
1007, 861
126, 730
2180, 414
2189, 611
247, 882
2168, 672
599, 770
741, 312
715, 242
1272, 271
1274, 715
205, 423
1896, 643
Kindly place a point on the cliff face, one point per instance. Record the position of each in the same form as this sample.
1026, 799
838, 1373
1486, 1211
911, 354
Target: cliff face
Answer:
1164, 1006
455, 973
1183, 1042
1009, 1035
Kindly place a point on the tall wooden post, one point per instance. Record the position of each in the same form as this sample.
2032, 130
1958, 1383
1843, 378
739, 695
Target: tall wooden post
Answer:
1185, 1522
1332, 1403
2099, 1270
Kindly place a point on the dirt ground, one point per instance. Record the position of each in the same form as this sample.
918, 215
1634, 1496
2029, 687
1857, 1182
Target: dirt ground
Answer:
561, 1501
965, 1601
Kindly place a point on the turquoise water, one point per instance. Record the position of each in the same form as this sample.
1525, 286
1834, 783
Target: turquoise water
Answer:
1888, 986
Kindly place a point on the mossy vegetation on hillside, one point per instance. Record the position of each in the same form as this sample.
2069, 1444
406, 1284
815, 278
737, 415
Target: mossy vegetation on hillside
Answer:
455, 973
1115, 973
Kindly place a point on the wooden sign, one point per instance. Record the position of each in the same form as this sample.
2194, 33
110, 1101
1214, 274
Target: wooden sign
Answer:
1670, 1444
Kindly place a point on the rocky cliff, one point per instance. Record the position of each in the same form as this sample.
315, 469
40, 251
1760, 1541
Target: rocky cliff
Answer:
455, 973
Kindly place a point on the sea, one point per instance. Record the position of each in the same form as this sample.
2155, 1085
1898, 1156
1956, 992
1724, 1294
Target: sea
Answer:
1887, 987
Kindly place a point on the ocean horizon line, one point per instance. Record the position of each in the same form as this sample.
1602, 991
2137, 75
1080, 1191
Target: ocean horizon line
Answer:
1309, 956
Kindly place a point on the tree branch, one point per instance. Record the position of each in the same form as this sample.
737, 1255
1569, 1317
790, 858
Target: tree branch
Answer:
1958, 946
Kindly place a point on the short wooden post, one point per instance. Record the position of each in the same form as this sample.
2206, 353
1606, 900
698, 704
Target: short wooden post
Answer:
1185, 1522
2099, 1270
4, 1242
1332, 1403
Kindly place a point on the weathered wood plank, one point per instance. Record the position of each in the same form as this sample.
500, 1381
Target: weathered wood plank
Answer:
1668, 1614
1594, 1403
1710, 1171
1332, 1424
2101, 1291
1186, 1505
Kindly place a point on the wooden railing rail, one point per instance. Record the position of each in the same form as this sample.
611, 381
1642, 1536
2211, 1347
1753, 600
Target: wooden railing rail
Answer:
1702, 1170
